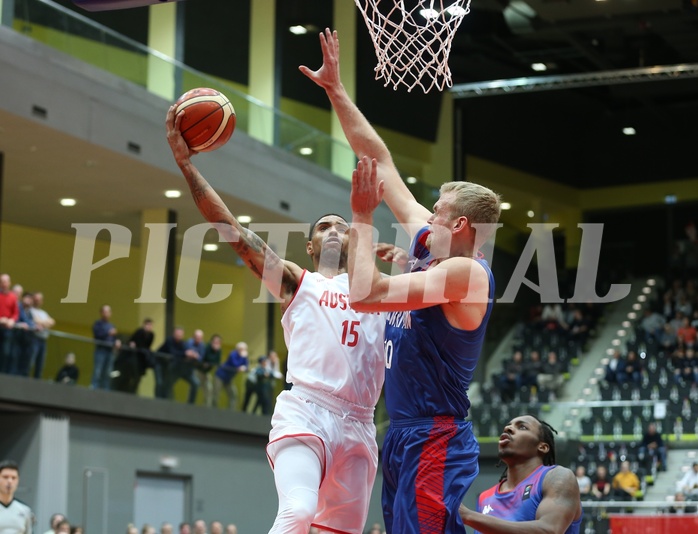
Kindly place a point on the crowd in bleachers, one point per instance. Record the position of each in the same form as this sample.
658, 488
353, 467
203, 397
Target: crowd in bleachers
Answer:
119, 362
24, 329
548, 344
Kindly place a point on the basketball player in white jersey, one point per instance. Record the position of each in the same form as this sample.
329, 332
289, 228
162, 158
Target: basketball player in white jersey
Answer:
322, 429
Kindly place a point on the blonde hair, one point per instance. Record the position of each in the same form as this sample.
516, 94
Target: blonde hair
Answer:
476, 202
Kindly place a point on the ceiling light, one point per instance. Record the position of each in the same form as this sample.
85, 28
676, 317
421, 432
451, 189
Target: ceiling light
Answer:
244, 219
411, 180
68, 202
505, 205
539, 67
530, 214
456, 11
298, 30
429, 13
173, 193
210, 247
670, 199
305, 151
629, 130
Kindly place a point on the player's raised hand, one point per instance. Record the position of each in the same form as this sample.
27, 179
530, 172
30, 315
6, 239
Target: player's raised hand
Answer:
327, 75
179, 147
366, 190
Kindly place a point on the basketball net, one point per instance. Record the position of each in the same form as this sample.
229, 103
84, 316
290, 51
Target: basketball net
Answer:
413, 41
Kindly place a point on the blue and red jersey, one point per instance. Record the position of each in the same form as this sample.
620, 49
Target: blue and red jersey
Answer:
520, 504
429, 363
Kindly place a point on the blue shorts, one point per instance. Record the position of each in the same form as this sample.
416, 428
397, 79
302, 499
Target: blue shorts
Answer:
428, 466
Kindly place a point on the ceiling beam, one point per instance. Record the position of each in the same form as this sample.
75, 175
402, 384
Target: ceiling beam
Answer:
531, 84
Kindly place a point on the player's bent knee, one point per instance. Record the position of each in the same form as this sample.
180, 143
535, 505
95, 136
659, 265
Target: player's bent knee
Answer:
301, 506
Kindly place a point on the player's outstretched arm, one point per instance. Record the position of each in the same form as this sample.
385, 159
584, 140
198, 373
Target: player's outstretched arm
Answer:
280, 277
558, 509
363, 138
459, 281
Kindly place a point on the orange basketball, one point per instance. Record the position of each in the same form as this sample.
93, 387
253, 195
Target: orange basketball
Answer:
209, 119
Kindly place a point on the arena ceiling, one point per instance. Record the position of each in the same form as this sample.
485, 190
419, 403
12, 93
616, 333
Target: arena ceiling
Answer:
572, 136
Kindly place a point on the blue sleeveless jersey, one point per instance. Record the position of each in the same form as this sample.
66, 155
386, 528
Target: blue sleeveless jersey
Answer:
520, 504
429, 363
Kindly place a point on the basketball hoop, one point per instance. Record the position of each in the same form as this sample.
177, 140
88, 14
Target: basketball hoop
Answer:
413, 39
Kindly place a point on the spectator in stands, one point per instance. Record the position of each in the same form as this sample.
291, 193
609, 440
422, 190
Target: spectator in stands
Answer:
199, 527
210, 360
164, 368
104, 333
510, 379
552, 317
133, 359
23, 338
275, 367
77, 530
615, 369
216, 527
53, 523
684, 305
64, 527
679, 506
237, 362
184, 528
552, 376
142, 342
668, 305
676, 320
166, 528
689, 483
681, 368
626, 484
69, 373
687, 333
584, 482
231, 529
652, 447
578, 330
601, 486
131, 529
147, 529
250, 388
532, 369
265, 384
43, 322
667, 338
185, 368
633, 367
9, 314
651, 325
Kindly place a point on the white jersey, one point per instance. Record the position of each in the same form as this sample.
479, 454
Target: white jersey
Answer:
15, 518
332, 348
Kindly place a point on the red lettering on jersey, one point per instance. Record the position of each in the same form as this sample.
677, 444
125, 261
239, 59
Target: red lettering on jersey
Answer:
334, 300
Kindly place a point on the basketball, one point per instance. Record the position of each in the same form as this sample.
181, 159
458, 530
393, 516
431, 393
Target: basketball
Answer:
208, 121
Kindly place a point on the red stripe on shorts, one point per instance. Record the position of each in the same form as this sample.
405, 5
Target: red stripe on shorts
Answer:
429, 482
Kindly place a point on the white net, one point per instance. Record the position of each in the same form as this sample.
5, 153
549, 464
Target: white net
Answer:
413, 39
